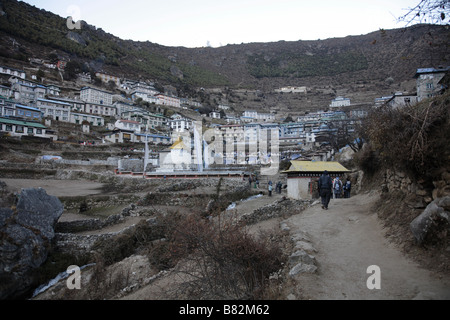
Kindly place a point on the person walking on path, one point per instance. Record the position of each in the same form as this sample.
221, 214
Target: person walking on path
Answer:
270, 189
278, 187
337, 187
325, 184
347, 188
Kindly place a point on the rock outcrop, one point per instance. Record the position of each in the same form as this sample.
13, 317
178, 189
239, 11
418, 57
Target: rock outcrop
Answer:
432, 226
26, 233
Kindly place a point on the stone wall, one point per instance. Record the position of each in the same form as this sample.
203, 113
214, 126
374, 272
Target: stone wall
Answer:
276, 209
79, 245
428, 206
75, 203
395, 180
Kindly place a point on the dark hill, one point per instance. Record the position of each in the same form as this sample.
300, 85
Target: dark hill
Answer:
360, 67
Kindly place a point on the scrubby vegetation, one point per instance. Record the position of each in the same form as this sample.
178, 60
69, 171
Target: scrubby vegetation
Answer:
413, 138
90, 44
303, 65
216, 259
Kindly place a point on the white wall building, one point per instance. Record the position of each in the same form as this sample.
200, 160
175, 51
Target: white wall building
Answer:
340, 102
12, 72
56, 110
92, 95
18, 128
167, 100
290, 89
128, 125
178, 123
100, 109
79, 118
145, 97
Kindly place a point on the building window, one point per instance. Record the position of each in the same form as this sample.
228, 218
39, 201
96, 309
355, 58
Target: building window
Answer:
38, 131
8, 127
19, 129
30, 130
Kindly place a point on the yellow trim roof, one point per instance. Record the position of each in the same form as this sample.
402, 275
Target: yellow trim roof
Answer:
178, 144
316, 166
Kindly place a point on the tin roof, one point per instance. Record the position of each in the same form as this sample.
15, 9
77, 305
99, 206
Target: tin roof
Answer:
315, 166
22, 123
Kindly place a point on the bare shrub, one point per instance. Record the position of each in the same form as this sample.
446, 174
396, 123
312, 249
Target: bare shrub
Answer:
221, 260
368, 160
127, 243
413, 138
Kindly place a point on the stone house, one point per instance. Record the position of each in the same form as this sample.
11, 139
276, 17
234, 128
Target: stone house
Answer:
428, 81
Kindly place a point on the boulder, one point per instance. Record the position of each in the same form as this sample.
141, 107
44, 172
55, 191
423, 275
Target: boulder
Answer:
301, 256
432, 226
26, 230
305, 246
302, 268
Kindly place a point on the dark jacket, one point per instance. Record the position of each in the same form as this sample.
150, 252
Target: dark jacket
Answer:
325, 182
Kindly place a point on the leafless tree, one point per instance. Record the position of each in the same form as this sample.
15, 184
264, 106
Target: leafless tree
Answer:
428, 11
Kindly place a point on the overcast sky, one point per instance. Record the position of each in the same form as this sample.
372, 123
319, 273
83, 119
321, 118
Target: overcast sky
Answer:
198, 23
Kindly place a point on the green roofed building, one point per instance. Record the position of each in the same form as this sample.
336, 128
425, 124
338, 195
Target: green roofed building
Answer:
18, 128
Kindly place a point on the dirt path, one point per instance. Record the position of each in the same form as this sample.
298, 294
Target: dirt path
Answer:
349, 238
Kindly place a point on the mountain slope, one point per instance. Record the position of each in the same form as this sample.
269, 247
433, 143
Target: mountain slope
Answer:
362, 67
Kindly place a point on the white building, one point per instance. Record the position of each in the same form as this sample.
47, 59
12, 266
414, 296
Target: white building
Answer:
128, 125
145, 97
214, 115
290, 89
12, 72
178, 123
340, 102
223, 107
26, 92
256, 116
122, 107
428, 81
100, 109
18, 128
7, 106
167, 100
147, 119
79, 118
250, 114
401, 100
56, 110
92, 95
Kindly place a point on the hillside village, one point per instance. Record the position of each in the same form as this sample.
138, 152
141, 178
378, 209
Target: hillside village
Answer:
142, 114
172, 173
